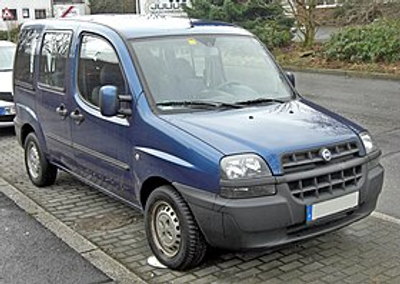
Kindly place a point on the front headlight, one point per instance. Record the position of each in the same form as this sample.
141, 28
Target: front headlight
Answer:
368, 142
11, 110
246, 166
8, 110
245, 176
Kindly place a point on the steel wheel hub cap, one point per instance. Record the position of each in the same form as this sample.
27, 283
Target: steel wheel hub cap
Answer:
33, 161
166, 229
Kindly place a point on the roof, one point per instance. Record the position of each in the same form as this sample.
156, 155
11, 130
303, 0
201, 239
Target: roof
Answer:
136, 26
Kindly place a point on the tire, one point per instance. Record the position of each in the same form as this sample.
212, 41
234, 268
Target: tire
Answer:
39, 170
172, 232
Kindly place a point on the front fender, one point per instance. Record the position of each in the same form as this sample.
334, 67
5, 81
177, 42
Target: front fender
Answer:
151, 162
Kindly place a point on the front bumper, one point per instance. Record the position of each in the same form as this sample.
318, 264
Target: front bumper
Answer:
6, 120
275, 220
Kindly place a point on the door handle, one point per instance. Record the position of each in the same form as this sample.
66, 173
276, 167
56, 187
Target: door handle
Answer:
77, 116
62, 111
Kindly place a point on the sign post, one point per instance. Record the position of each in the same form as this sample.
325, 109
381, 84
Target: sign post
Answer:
7, 16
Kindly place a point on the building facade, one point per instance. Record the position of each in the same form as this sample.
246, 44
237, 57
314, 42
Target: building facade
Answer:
27, 10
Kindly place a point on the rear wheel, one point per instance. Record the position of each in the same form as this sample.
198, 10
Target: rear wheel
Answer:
39, 170
172, 231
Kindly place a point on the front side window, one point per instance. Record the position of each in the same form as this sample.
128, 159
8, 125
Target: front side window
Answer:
25, 62
53, 59
213, 68
98, 66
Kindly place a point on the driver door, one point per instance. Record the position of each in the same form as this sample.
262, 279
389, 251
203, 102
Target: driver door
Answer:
101, 144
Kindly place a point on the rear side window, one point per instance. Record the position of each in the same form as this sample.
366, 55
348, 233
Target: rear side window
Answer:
98, 66
25, 62
53, 59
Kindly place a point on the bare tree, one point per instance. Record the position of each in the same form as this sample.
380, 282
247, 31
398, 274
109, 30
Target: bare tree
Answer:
304, 11
112, 6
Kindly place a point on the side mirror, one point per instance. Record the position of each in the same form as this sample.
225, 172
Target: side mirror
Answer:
109, 102
291, 78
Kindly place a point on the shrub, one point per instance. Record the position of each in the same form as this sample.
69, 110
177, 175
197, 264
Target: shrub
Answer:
270, 33
377, 42
264, 18
13, 35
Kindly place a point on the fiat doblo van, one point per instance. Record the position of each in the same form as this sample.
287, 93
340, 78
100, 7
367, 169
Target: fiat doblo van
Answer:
195, 124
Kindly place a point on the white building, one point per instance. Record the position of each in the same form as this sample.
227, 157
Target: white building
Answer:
162, 7
27, 10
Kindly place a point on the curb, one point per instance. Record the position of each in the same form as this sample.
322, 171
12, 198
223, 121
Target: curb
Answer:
386, 218
92, 253
346, 73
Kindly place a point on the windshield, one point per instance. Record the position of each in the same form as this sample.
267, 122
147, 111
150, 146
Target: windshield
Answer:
6, 58
220, 69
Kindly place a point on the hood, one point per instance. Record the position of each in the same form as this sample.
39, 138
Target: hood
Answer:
268, 131
6, 85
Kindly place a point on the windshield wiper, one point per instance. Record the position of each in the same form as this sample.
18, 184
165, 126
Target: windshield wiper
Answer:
260, 101
199, 104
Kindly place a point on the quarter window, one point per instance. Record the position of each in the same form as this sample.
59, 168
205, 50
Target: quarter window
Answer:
25, 63
98, 66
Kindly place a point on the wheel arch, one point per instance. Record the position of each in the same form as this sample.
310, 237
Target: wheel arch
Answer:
25, 130
148, 186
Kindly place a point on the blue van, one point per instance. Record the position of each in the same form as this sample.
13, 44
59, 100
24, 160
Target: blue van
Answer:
194, 123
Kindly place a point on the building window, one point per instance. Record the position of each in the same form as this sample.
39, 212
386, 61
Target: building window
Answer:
40, 14
25, 13
13, 12
328, 3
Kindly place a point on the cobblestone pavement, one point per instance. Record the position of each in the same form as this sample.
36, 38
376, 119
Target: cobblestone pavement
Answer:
366, 252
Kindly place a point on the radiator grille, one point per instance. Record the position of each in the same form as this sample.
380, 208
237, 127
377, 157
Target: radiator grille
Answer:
311, 159
6, 118
318, 186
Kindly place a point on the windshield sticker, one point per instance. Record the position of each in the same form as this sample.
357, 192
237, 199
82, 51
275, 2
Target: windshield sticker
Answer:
192, 41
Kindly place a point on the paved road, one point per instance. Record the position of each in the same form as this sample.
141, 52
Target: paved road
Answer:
29, 253
323, 34
374, 104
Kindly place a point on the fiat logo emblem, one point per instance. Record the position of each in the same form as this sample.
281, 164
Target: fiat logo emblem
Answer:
325, 154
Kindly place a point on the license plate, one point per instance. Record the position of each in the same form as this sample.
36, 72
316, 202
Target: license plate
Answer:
2, 111
326, 208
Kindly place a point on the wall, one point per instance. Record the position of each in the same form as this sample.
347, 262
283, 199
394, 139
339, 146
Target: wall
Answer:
22, 6
19, 5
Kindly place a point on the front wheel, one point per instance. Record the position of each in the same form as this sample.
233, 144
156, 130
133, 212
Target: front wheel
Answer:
172, 231
39, 170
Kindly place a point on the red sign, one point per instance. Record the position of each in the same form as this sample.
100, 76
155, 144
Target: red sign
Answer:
7, 15
67, 11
